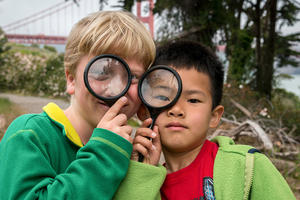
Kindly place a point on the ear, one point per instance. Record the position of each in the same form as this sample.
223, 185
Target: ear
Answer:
216, 116
143, 113
70, 82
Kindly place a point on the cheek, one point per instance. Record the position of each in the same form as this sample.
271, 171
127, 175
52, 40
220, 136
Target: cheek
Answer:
160, 120
80, 88
199, 121
133, 94
195, 117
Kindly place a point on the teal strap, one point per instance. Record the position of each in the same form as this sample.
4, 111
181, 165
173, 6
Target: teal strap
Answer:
249, 166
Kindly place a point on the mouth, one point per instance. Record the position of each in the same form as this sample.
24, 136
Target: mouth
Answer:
176, 126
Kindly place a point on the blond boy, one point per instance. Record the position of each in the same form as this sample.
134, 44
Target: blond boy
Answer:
82, 152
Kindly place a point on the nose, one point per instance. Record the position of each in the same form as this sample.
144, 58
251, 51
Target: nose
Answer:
176, 111
133, 90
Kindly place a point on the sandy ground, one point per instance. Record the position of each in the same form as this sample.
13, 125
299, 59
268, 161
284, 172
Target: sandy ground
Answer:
33, 104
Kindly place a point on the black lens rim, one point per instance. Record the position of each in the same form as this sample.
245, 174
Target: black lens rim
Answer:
150, 107
109, 100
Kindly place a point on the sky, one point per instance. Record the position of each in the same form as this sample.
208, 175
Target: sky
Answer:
9, 13
13, 10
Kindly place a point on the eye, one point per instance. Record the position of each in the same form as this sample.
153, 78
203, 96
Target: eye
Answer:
98, 77
194, 101
162, 98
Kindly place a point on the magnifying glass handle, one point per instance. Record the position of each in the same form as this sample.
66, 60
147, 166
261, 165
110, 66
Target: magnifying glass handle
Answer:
141, 157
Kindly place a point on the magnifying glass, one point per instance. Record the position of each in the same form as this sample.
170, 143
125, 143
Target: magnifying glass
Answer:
107, 77
159, 88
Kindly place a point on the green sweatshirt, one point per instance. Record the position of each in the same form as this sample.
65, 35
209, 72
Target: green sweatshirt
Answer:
229, 177
42, 157
229, 174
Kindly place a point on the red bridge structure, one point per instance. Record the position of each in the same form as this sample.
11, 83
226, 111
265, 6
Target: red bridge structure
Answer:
36, 39
52, 25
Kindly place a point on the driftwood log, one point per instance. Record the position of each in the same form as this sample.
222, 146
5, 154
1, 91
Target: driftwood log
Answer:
270, 135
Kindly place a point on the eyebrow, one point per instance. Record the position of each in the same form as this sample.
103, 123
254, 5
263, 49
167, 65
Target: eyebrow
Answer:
190, 92
167, 88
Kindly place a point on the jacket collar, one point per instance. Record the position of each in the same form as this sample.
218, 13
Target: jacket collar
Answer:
58, 116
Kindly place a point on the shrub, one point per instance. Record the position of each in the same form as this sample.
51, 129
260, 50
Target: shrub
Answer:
33, 71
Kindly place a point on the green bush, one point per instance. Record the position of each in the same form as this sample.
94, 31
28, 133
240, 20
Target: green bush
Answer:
49, 48
287, 109
31, 70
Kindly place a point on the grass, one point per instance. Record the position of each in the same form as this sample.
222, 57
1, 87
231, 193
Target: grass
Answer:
5, 105
8, 112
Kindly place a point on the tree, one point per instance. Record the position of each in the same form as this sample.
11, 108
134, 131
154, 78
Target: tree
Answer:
3, 41
238, 39
265, 78
201, 19
268, 19
251, 31
3, 48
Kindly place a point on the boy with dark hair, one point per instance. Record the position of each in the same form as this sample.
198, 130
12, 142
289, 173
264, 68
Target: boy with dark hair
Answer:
196, 167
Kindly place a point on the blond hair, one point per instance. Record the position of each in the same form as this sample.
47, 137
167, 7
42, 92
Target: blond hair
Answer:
109, 32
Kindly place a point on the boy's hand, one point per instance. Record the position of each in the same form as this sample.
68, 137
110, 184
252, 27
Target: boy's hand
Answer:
116, 122
147, 142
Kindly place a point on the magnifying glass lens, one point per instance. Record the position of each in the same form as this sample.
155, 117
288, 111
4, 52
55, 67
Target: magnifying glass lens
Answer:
159, 88
107, 77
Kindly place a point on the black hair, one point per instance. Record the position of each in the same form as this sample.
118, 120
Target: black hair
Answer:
184, 54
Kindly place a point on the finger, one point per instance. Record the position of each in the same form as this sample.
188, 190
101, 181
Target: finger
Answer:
147, 122
145, 142
123, 131
141, 149
115, 109
146, 132
120, 119
129, 139
127, 130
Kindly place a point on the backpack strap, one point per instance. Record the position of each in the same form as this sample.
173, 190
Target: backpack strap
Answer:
249, 168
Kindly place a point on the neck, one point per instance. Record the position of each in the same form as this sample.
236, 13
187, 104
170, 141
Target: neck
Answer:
179, 160
82, 127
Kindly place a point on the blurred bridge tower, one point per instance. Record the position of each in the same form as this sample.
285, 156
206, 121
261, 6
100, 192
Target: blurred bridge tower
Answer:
145, 14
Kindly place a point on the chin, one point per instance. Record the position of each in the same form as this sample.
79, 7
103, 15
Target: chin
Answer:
129, 111
128, 114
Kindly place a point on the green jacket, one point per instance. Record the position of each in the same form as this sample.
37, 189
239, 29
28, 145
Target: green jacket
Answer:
229, 174
42, 157
264, 182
